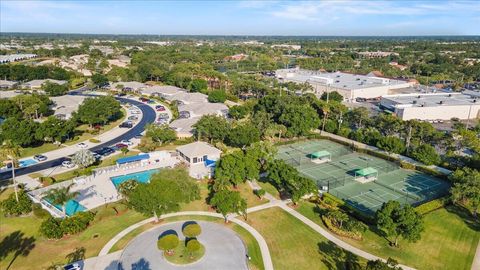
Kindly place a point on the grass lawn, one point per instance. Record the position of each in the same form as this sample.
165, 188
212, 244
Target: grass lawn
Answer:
46, 147
182, 256
46, 252
294, 245
83, 135
256, 262
448, 242
269, 188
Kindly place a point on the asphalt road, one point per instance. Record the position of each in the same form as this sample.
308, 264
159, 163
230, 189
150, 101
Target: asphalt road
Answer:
148, 117
223, 250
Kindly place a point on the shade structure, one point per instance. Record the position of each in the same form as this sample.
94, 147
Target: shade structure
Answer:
132, 159
320, 154
366, 171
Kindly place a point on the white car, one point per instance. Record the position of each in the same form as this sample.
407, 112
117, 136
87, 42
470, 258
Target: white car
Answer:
127, 142
135, 112
68, 164
82, 145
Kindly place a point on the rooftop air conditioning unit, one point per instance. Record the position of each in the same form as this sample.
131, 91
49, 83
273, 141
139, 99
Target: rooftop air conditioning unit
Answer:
414, 102
419, 96
441, 102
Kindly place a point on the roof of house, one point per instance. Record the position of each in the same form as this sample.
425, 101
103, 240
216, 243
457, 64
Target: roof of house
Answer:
189, 97
184, 125
200, 109
132, 85
7, 83
166, 90
38, 83
197, 149
66, 104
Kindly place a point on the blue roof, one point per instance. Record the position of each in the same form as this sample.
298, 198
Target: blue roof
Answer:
132, 159
210, 163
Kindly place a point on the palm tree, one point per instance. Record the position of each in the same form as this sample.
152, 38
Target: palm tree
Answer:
61, 196
11, 151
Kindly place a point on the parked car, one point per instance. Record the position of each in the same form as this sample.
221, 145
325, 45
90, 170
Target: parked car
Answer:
133, 117
68, 164
82, 145
120, 146
163, 116
127, 142
126, 125
142, 99
40, 157
138, 136
105, 151
135, 112
72, 266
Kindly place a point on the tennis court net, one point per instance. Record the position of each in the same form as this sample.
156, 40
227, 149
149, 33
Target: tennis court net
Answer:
413, 197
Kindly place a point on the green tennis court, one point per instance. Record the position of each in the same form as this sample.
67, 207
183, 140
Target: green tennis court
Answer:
338, 175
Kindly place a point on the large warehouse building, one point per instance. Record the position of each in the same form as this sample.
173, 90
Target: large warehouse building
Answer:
434, 106
350, 86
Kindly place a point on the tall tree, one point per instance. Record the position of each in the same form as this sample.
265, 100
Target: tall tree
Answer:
11, 151
83, 158
227, 201
466, 189
212, 128
61, 196
397, 221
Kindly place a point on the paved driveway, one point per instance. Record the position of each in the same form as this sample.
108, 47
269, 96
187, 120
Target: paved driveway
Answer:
223, 250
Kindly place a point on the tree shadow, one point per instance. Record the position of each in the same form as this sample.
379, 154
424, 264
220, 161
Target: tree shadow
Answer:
77, 255
337, 258
142, 264
188, 223
18, 244
472, 222
168, 232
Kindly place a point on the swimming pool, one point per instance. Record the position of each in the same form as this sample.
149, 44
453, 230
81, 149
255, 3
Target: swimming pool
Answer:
26, 162
71, 207
142, 177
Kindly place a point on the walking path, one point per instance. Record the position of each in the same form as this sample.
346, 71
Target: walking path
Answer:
476, 259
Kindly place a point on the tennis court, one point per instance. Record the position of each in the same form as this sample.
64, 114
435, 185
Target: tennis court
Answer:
338, 176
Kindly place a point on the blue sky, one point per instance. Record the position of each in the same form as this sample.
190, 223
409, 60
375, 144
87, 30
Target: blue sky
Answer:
341, 17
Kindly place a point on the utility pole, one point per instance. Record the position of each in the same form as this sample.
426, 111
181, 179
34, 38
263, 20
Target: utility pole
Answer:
409, 136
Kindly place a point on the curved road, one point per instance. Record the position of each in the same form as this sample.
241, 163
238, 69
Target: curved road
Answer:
148, 117
223, 249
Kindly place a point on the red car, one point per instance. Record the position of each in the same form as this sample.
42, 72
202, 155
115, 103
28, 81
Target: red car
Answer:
121, 145
160, 109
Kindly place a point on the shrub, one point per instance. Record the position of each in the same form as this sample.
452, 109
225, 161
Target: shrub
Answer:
39, 212
47, 180
92, 140
168, 242
192, 230
259, 192
77, 223
11, 207
328, 223
432, 205
217, 96
51, 228
407, 165
331, 200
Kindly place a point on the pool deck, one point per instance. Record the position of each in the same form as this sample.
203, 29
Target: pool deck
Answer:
98, 190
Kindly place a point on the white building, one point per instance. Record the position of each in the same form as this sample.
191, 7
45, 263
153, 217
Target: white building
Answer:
16, 57
128, 86
434, 106
166, 91
4, 84
37, 84
350, 86
65, 105
201, 157
200, 109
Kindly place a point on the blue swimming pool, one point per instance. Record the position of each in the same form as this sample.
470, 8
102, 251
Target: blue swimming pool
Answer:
142, 177
27, 162
71, 207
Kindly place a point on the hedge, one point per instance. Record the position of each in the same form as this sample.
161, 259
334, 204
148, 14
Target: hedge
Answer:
340, 232
432, 205
94, 140
39, 212
407, 165
350, 209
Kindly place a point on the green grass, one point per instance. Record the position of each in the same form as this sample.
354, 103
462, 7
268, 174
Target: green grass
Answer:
294, 245
448, 242
182, 256
253, 249
31, 151
45, 252
269, 188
